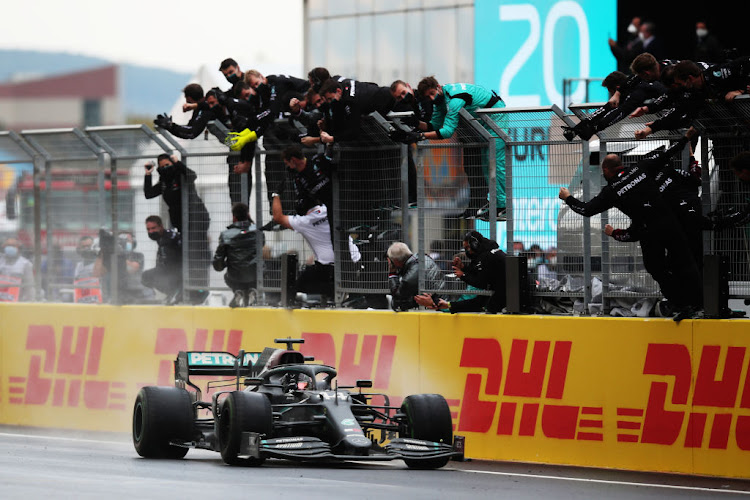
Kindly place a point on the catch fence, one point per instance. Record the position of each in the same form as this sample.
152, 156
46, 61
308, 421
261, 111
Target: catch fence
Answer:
69, 184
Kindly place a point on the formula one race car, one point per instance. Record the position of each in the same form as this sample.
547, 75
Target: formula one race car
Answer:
289, 410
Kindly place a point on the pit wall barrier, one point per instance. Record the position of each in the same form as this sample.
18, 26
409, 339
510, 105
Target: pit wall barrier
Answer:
605, 392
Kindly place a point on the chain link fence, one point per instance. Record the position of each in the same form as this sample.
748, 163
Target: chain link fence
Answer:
73, 187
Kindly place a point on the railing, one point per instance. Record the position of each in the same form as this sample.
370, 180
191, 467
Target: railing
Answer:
70, 183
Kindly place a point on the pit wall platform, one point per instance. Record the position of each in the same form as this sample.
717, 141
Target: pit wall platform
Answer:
604, 392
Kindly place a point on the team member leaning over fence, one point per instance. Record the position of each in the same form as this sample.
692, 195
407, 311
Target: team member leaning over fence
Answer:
663, 243
486, 271
448, 100
403, 276
679, 189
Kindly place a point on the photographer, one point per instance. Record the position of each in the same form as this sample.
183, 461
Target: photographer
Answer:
486, 271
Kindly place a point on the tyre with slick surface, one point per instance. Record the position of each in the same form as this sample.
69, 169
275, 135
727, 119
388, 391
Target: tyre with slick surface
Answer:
161, 415
428, 417
242, 412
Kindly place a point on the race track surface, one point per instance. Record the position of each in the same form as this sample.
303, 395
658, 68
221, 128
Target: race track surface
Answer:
39, 464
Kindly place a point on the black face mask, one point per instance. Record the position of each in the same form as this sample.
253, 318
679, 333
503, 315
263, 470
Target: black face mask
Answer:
439, 99
156, 235
408, 99
166, 171
232, 78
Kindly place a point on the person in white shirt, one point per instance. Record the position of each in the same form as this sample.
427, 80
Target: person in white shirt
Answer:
314, 227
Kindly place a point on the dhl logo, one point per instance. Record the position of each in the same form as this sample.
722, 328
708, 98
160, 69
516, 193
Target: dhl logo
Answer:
65, 373
719, 396
705, 406
557, 421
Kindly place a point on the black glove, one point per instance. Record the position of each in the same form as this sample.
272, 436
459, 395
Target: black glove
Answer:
404, 137
163, 121
735, 218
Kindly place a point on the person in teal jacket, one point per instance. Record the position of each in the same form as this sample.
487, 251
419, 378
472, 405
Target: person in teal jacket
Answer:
448, 99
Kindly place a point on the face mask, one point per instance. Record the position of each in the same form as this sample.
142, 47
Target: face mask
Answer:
553, 261
128, 246
408, 99
632, 29
11, 251
439, 99
232, 78
166, 172
641, 36
700, 33
262, 88
156, 235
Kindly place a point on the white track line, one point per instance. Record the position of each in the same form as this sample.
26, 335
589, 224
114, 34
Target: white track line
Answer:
60, 438
604, 481
507, 474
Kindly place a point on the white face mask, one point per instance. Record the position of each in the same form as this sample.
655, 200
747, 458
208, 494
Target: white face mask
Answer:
700, 33
641, 36
632, 29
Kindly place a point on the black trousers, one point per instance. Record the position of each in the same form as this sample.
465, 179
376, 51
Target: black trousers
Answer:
667, 257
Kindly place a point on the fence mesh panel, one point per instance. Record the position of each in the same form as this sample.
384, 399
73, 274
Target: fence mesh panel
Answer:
427, 195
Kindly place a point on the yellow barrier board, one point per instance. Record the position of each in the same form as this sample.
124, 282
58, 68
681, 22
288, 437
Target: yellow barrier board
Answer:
622, 393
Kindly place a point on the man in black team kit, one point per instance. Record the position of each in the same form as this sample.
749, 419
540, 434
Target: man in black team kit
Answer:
719, 81
663, 243
679, 189
205, 108
274, 93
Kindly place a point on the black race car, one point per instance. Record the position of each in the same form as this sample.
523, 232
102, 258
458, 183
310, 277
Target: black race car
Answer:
288, 409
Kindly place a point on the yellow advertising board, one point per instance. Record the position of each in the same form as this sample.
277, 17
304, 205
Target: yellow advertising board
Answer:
606, 392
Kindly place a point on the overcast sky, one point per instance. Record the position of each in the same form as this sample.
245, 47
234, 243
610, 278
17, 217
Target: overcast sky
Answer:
174, 34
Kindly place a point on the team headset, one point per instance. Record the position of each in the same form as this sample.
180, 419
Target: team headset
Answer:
473, 241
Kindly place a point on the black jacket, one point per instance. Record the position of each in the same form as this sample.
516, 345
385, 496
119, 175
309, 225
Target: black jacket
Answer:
169, 187
486, 270
313, 185
237, 251
169, 253
343, 117
404, 283
677, 187
197, 123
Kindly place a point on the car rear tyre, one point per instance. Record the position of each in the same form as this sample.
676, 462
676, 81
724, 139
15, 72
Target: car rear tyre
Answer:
160, 415
428, 417
242, 412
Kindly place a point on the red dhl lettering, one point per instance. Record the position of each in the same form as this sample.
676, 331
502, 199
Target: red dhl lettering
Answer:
63, 373
716, 392
721, 394
323, 348
170, 341
477, 415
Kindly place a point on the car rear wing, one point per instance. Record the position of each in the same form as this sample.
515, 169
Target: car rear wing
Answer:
220, 363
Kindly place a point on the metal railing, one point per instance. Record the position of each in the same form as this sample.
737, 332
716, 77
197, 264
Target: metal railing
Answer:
71, 182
